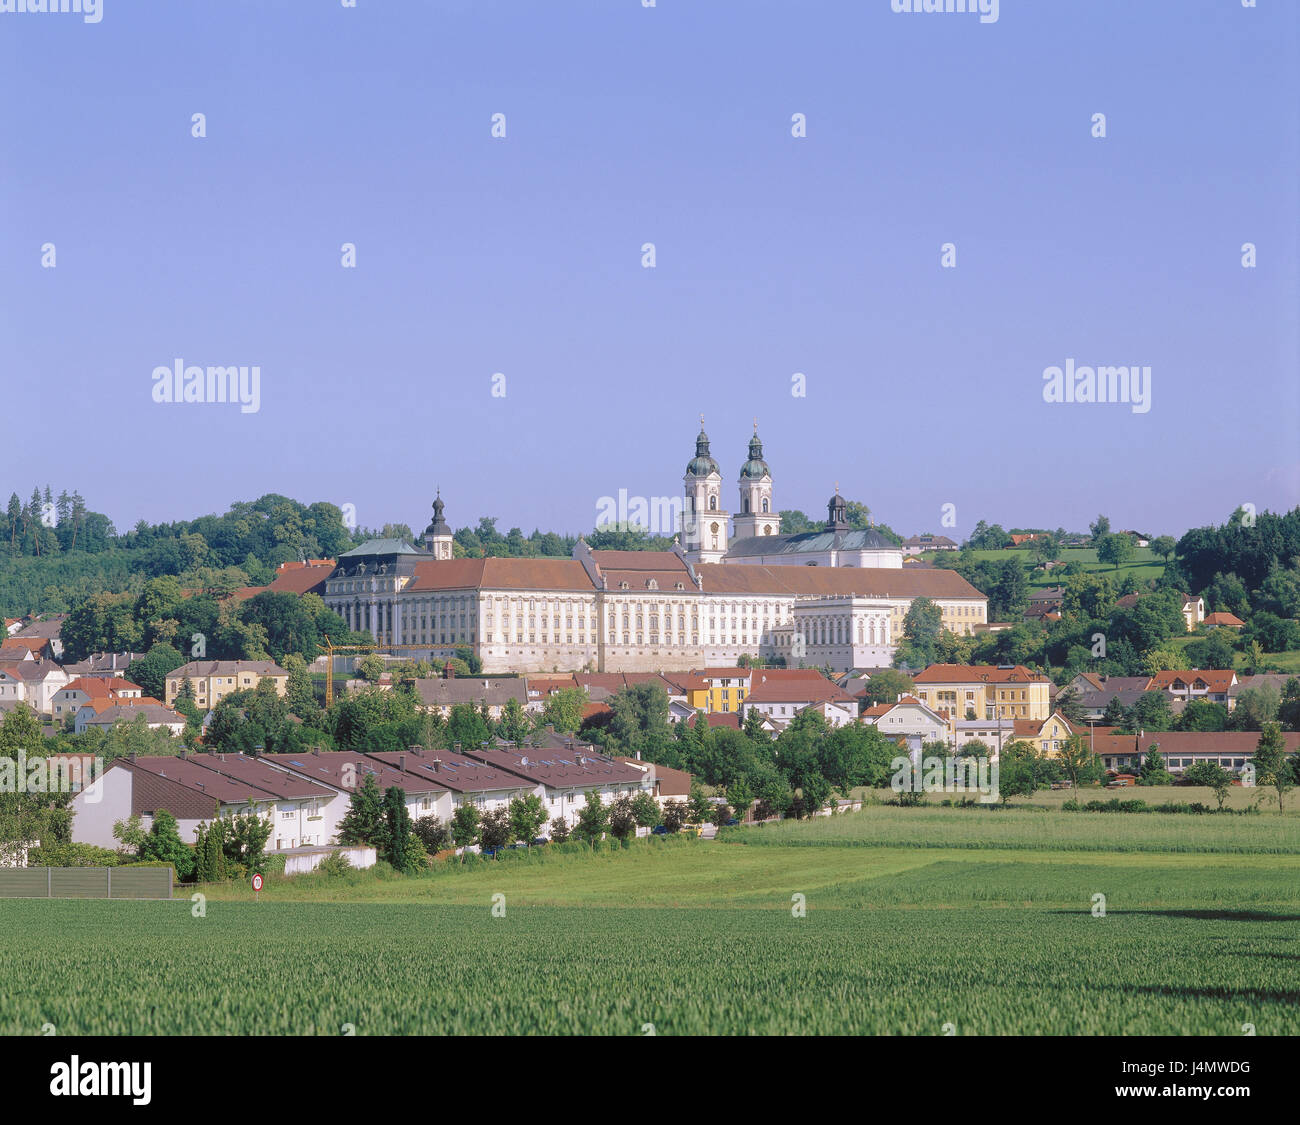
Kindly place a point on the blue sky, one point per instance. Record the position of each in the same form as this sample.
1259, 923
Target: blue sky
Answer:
775, 255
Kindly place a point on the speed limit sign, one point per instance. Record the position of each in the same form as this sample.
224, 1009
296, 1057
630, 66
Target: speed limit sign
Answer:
257, 882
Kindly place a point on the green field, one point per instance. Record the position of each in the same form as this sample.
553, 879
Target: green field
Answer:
1145, 564
914, 918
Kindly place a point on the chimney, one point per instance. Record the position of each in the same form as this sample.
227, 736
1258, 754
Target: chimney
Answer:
316, 751
436, 765
184, 755
401, 763
638, 755
131, 756
451, 672
418, 751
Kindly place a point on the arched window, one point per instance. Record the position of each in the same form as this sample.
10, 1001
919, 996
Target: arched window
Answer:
713, 503
764, 505
744, 505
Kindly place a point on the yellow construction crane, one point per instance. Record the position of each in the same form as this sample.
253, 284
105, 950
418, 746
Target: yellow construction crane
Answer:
331, 649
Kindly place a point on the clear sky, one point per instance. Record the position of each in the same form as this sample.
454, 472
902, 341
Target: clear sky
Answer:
775, 255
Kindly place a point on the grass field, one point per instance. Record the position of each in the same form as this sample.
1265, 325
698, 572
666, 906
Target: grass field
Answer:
1145, 564
914, 918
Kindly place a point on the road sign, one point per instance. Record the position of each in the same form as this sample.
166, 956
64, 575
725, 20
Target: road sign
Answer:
257, 882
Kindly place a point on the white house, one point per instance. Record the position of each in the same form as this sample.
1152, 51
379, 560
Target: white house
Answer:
907, 715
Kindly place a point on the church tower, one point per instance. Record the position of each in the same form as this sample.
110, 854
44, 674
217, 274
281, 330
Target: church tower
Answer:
437, 536
705, 526
757, 512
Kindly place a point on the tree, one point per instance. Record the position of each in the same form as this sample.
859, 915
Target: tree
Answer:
922, 625
432, 834
465, 825
397, 835
559, 830
1115, 550
1288, 711
563, 710
593, 818
515, 724
741, 797
243, 841
494, 829
646, 810
363, 823
1100, 529
1271, 764
1151, 712
129, 834
163, 844
1164, 546
886, 686
1212, 776
753, 727
150, 671
673, 816
699, 806
622, 818
527, 815
1116, 714
1017, 772
1076, 761
1070, 707
1153, 770
371, 667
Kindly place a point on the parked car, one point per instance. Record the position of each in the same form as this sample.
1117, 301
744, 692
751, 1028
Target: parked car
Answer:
540, 841
490, 853
659, 830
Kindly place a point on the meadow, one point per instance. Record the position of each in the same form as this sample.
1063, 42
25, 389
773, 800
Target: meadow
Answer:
890, 921
1144, 565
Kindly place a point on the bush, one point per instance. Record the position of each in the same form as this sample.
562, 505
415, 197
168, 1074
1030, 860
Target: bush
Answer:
336, 863
73, 855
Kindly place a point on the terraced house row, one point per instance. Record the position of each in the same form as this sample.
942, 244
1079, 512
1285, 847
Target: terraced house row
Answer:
306, 796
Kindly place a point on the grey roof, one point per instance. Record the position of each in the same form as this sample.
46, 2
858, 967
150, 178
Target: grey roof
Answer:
470, 689
36, 669
1277, 679
811, 542
200, 668
382, 547
152, 712
1097, 700
102, 662
48, 629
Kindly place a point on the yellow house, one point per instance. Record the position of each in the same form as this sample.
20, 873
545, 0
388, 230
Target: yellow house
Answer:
724, 689
1003, 692
212, 680
696, 689
1047, 736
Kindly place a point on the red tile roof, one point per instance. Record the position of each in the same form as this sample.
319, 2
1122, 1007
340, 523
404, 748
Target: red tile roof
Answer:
791, 581
1216, 680
766, 688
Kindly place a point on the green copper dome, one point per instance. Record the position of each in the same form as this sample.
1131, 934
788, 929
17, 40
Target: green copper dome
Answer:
701, 465
755, 468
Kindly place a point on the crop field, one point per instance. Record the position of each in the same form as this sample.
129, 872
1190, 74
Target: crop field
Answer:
982, 927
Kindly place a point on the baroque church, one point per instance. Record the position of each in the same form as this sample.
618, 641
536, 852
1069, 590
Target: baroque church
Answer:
758, 540
833, 597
